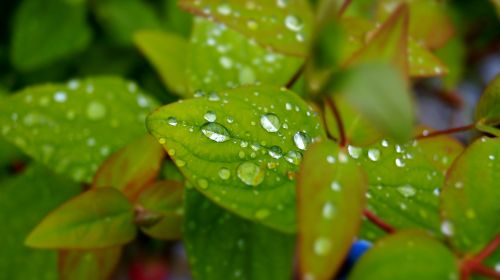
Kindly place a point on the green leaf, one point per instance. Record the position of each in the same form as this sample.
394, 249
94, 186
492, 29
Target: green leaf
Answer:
39, 38
405, 180
98, 218
24, 200
73, 127
331, 198
407, 255
469, 203
284, 26
122, 18
132, 168
223, 245
422, 63
164, 198
241, 148
488, 107
97, 264
380, 95
223, 58
167, 53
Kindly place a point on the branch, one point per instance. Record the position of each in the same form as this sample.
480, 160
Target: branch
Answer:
473, 264
295, 76
446, 131
485, 271
378, 221
340, 124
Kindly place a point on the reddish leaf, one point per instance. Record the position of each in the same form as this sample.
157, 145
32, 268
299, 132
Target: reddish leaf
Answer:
131, 168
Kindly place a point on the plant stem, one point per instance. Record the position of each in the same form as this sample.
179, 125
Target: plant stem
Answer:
296, 76
473, 264
340, 124
446, 131
485, 271
378, 221
488, 250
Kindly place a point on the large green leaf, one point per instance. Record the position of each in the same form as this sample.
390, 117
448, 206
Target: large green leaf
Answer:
221, 245
241, 148
95, 264
283, 25
407, 255
24, 200
331, 195
167, 53
132, 168
45, 31
488, 108
73, 127
405, 180
470, 196
122, 18
222, 58
164, 198
379, 94
97, 218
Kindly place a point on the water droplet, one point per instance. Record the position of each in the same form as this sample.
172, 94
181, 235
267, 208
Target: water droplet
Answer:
162, 141
224, 9
400, 162
226, 62
215, 131
330, 159
328, 210
322, 246
447, 228
96, 110
224, 173
385, 143
293, 157
270, 122
252, 24
262, 214
213, 96
335, 186
275, 152
293, 23
210, 116
172, 121
60, 97
281, 3
491, 157
436, 191
301, 140
250, 173
459, 184
407, 191
230, 120
373, 154
288, 106
354, 152
202, 183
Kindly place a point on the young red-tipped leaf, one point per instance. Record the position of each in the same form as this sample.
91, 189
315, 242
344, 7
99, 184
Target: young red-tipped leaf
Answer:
284, 26
165, 198
167, 53
93, 264
131, 168
331, 195
389, 43
97, 218
470, 199
488, 108
407, 255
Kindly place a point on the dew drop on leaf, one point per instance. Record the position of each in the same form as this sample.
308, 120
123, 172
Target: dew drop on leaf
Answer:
407, 191
96, 110
270, 122
335, 186
328, 210
447, 228
262, 214
250, 174
215, 131
354, 152
293, 157
202, 183
301, 140
172, 121
293, 23
322, 246
374, 154
275, 152
224, 173
210, 116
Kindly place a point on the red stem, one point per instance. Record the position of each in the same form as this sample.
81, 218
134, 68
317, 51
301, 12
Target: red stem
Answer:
485, 271
488, 250
378, 221
473, 264
344, 7
340, 124
295, 76
446, 131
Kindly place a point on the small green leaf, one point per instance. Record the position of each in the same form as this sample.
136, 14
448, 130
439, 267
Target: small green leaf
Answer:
222, 245
122, 18
96, 264
24, 200
167, 53
223, 58
132, 168
407, 255
380, 95
241, 148
488, 108
164, 198
39, 38
422, 63
98, 218
405, 180
469, 204
284, 26
73, 127
331, 199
